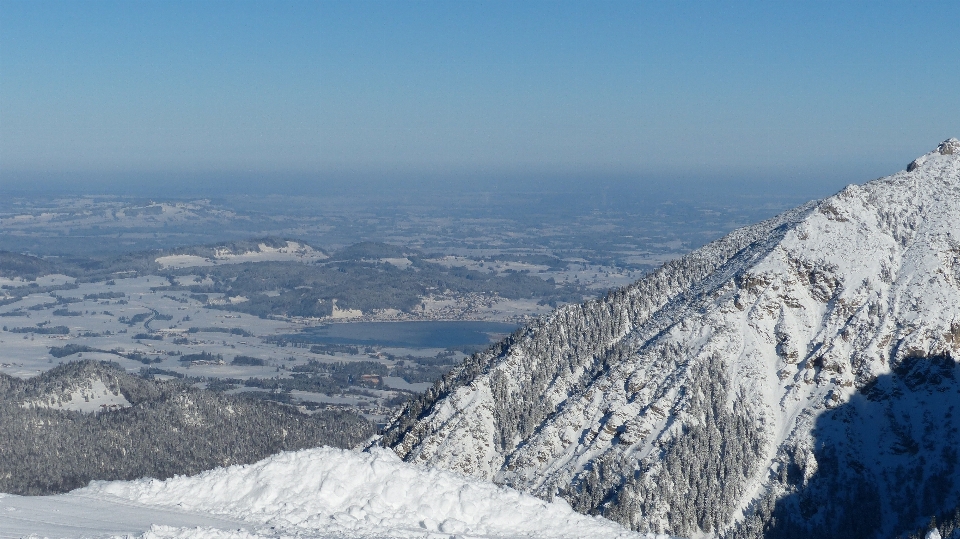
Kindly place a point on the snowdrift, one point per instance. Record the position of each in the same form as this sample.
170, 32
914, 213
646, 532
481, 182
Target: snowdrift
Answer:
329, 492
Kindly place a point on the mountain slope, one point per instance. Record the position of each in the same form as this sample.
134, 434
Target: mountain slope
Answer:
726, 392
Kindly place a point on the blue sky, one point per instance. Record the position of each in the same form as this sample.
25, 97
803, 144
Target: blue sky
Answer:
789, 93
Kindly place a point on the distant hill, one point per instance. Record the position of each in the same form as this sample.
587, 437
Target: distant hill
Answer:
87, 420
25, 266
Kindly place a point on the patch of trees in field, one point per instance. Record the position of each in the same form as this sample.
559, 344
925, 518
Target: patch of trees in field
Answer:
232, 331
71, 349
248, 361
328, 378
42, 330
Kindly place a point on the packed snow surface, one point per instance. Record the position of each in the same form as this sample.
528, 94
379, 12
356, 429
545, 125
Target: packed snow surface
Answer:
325, 492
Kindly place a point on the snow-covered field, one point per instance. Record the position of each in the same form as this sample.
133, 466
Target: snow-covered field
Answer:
99, 323
324, 492
292, 252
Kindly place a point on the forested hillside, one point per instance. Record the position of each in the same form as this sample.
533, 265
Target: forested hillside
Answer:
160, 429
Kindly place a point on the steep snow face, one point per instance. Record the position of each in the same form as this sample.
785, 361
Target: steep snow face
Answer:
694, 401
312, 493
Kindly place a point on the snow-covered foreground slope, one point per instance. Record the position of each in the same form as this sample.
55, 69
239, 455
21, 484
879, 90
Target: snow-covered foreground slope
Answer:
796, 378
326, 492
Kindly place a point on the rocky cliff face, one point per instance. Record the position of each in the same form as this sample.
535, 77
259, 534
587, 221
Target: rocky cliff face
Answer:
796, 377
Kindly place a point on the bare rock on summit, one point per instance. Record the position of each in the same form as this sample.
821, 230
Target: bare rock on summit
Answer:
949, 147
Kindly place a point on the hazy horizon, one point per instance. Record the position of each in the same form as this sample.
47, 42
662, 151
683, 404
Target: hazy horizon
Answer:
799, 185
308, 97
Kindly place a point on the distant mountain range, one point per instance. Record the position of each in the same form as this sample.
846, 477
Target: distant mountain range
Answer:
797, 378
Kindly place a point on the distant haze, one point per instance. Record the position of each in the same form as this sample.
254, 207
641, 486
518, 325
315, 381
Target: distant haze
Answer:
191, 97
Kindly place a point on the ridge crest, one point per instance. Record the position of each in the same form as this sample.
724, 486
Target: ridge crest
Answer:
950, 146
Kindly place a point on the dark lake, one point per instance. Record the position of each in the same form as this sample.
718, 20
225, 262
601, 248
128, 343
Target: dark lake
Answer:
408, 334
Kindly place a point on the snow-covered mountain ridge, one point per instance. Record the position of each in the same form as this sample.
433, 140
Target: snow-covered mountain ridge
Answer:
796, 377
